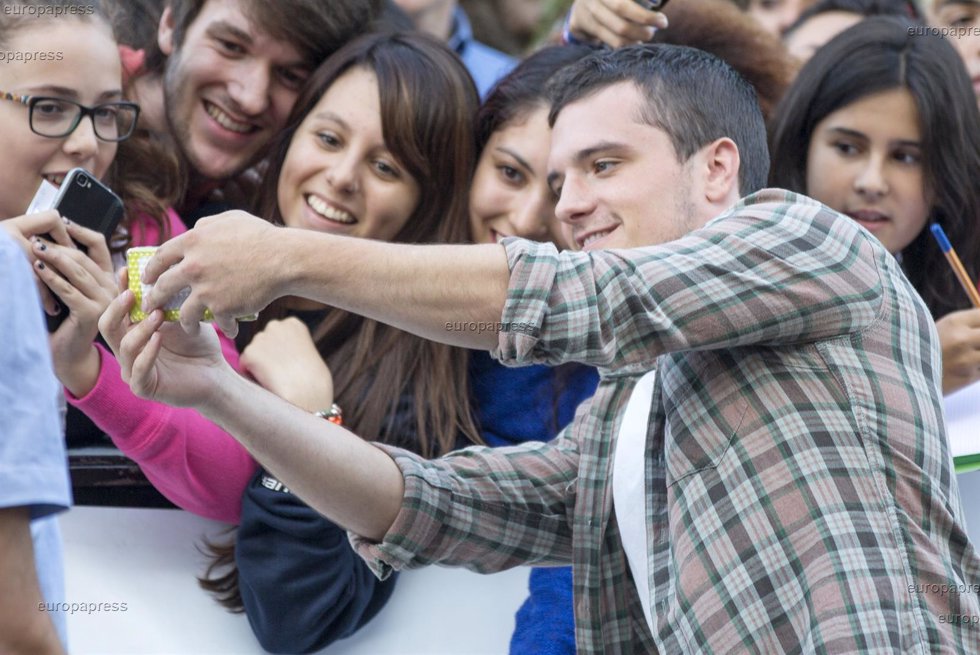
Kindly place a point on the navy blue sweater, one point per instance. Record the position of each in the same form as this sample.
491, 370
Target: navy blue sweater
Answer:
302, 585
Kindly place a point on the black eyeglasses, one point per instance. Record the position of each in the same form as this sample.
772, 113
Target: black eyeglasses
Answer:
57, 118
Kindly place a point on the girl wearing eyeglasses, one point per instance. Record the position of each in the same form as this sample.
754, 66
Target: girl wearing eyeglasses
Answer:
62, 106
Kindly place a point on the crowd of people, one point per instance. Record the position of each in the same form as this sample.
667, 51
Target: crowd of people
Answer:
708, 401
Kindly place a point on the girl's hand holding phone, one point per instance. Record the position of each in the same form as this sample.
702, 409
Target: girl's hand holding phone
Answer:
283, 358
84, 285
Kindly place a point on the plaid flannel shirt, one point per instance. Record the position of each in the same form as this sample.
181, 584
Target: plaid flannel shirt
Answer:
800, 494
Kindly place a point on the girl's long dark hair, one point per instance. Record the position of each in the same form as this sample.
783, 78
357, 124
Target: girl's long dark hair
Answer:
428, 104
877, 55
374, 364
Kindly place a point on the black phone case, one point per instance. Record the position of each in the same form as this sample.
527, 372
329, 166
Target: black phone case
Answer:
85, 200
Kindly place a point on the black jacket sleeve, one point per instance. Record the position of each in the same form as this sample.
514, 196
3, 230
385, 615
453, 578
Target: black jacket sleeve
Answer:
302, 585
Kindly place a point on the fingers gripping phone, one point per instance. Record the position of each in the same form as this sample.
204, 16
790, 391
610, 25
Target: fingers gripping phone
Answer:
84, 200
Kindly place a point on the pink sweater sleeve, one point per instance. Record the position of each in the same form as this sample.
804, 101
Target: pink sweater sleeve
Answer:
189, 459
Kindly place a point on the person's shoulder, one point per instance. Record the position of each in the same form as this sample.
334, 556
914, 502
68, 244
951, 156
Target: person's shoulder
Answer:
780, 205
785, 200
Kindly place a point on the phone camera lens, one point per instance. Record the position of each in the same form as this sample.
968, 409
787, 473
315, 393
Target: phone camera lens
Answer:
82, 180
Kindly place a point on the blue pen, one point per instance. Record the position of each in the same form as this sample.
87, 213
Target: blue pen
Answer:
956, 264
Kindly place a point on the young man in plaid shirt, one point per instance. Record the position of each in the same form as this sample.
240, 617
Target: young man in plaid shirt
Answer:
764, 464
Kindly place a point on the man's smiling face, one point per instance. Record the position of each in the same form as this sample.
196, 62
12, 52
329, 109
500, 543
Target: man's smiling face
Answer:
229, 88
617, 178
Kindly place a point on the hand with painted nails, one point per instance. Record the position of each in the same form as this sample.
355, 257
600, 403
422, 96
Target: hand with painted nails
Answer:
25, 229
614, 22
83, 284
159, 360
230, 263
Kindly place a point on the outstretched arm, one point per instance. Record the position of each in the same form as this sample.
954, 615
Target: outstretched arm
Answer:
236, 264
337, 473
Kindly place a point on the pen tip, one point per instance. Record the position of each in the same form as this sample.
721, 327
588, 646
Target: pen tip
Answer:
937, 231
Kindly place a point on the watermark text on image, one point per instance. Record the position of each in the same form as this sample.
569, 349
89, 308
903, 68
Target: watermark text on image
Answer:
946, 31
25, 56
83, 608
42, 11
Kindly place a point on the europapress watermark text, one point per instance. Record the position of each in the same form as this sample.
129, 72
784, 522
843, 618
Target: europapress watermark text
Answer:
36, 11
946, 31
83, 608
25, 56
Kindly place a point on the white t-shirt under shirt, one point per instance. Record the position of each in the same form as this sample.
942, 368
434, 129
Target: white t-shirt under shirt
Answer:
629, 487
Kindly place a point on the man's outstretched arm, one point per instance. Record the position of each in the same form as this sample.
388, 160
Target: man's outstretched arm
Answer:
345, 478
236, 264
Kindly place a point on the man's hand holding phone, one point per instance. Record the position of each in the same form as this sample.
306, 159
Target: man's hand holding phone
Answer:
616, 22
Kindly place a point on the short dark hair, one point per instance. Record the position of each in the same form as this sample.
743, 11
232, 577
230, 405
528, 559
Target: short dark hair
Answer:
881, 54
722, 29
691, 95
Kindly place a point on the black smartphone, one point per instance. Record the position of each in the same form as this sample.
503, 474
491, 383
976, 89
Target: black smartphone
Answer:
83, 199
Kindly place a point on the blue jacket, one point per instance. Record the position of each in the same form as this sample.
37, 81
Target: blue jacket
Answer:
532, 404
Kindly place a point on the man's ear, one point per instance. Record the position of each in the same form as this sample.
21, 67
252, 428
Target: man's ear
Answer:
721, 167
165, 31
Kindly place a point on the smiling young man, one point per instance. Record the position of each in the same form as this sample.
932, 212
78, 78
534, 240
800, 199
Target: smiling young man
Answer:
763, 467
224, 75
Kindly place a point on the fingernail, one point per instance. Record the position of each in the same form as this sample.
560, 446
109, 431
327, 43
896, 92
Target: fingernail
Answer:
40, 245
65, 219
40, 264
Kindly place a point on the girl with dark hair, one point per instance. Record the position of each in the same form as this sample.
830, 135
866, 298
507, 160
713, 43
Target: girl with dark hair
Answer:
365, 154
882, 125
510, 197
